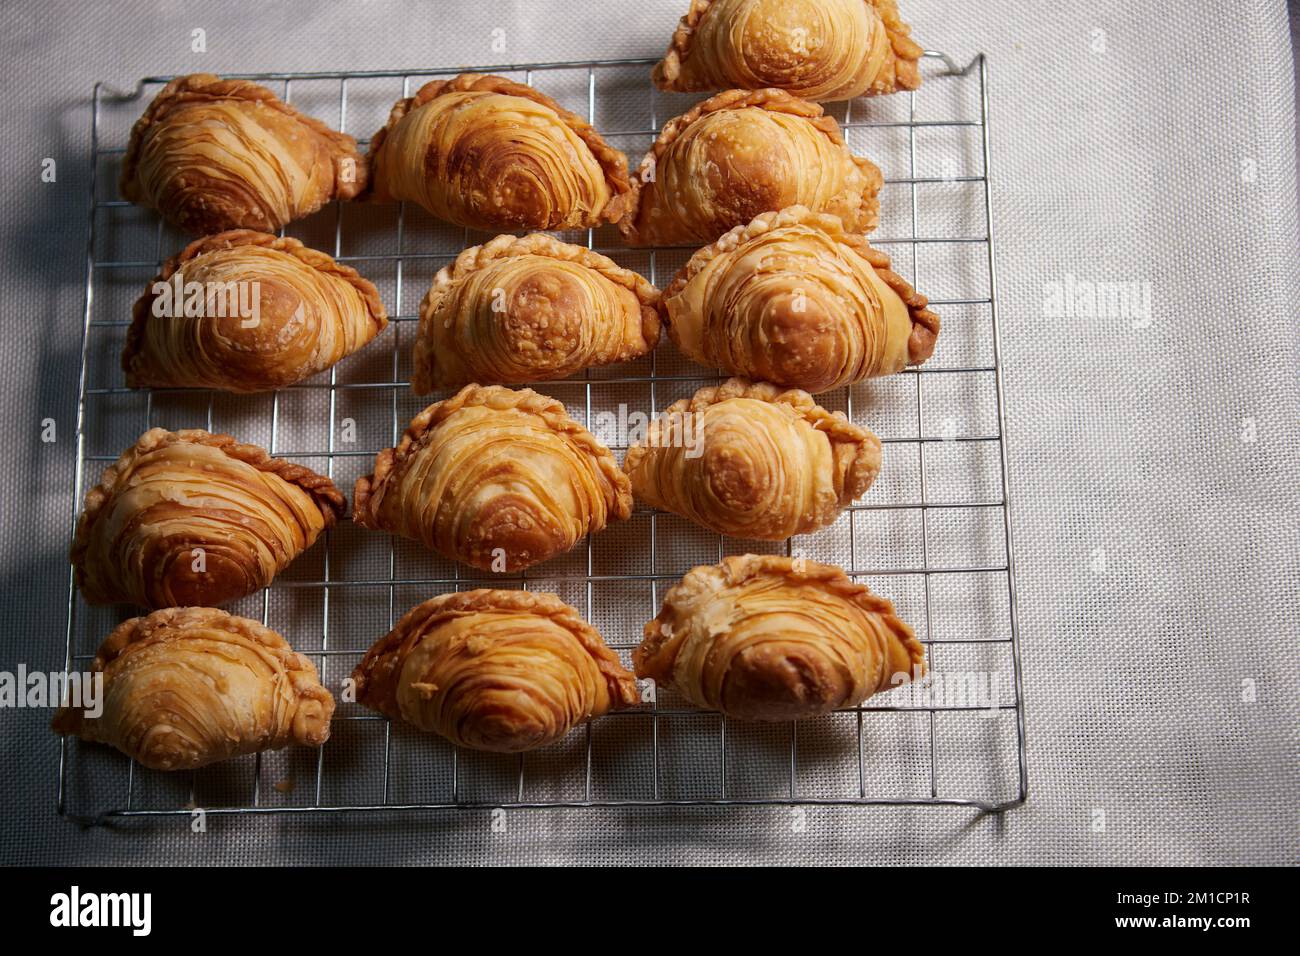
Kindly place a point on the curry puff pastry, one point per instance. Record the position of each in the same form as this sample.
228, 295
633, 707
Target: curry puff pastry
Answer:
818, 49
767, 637
503, 671
496, 478
213, 154
189, 686
765, 463
483, 152
272, 312
524, 310
742, 153
188, 518
795, 299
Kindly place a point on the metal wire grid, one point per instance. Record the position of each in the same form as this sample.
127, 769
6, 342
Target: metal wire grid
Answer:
72, 801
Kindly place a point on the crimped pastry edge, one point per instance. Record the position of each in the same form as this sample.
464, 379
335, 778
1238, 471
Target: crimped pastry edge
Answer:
169, 624
611, 161
664, 73
552, 412
862, 470
771, 99
907, 52
705, 579
141, 311
511, 247
209, 85
327, 497
925, 324
429, 614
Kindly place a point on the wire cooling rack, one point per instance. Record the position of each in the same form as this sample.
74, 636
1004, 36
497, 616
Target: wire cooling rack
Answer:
933, 534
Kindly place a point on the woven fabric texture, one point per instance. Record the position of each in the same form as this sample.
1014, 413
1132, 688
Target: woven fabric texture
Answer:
1155, 452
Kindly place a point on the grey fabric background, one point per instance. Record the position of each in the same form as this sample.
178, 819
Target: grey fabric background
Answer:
1125, 155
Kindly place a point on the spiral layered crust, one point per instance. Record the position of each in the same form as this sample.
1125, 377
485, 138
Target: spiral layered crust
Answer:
189, 518
794, 299
740, 154
763, 637
496, 478
502, 671
530, 309
753, 461
278, 313
186, 687
817, 49
212, 154
483, 152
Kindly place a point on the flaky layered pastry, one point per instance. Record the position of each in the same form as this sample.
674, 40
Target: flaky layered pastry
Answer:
189, 518
212, 154
740, 154
818, 49
483, 152
766, 637
496, 478
504, 671
524, 310
260, 313
795, 299
752, 460
189, 686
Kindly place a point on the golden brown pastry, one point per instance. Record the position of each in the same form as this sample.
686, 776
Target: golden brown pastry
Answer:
504, 671
525, 310
497, 478
213, 154
752, 460
818, 49
244, 311
189, 686
764, 637
483, 152
188, 517
794, 299
742, 153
